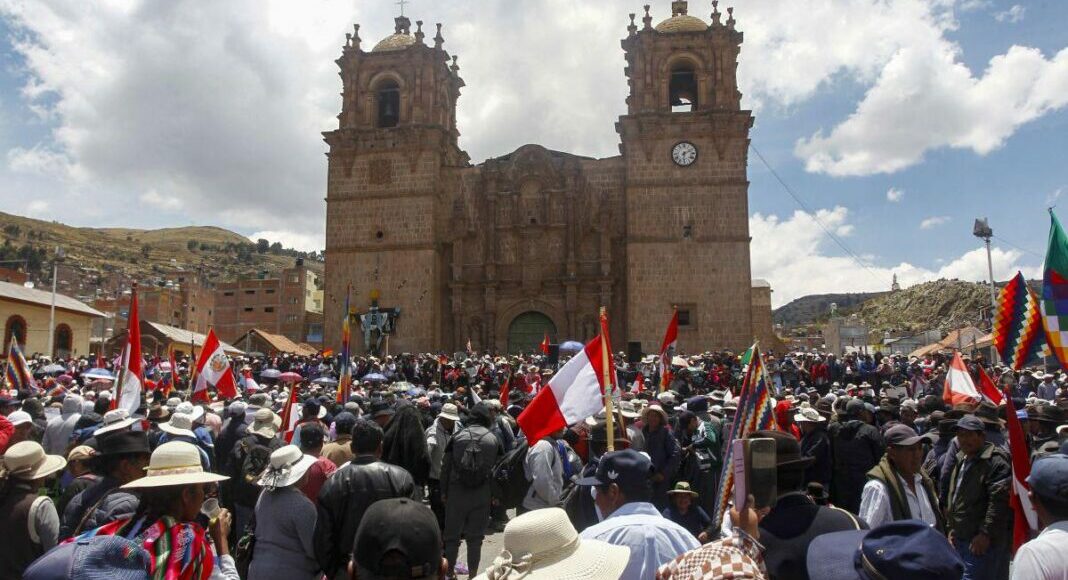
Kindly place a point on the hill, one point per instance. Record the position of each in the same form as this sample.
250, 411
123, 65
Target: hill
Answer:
141, 255
816, 308
942, 304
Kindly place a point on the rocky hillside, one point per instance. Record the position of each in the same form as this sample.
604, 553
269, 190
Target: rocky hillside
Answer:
942, 304
141, 254
816, 308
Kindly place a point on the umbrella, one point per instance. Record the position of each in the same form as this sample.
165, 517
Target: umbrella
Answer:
270, 374
290, 377
325, 381
99, 374
64, 379
572, 346
50, 370
374, 377
678, 361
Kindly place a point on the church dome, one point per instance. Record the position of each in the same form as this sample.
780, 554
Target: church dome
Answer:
682, 23
398, 41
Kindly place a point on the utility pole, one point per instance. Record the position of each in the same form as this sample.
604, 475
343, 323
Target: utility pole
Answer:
52, 313
982, 230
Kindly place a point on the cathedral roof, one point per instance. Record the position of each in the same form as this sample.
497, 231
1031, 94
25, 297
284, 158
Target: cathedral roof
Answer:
682, 23
397, 41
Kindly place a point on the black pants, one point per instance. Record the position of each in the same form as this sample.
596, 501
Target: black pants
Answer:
433, 488
469, 518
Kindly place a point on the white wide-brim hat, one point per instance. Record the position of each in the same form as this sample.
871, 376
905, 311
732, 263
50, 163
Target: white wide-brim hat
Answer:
175, 463
449, 411
194, 411
27, 460
288, 465
545, 545
180, 424
114, 420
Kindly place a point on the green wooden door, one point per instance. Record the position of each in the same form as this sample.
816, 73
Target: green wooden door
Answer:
528, 330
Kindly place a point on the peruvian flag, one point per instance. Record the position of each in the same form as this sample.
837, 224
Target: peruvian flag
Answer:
131, 377
249, 383
213, 366
1025, 522
574, 393
671, 339
544, 346
959, 387
290, 414
987, 386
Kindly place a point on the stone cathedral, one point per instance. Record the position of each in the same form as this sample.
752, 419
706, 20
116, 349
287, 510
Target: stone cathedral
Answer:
535, 241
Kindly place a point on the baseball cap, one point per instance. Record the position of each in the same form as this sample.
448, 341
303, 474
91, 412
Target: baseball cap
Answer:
970, 423
1049, 477
628, 469
902, 435
398, 538
901, 549
19, 418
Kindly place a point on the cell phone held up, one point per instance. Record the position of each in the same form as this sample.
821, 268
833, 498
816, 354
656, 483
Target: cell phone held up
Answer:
754, 472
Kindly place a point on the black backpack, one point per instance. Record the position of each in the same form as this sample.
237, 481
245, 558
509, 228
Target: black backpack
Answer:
256, 458
510, 477
471, 469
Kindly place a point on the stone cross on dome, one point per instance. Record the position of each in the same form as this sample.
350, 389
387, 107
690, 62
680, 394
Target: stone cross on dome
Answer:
401, 3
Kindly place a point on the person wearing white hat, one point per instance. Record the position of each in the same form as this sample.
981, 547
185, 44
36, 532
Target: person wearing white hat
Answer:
543, 545
180, 428
172, 495
30, 521
22, 423
437, 436
815, 443
114, 420
285, 520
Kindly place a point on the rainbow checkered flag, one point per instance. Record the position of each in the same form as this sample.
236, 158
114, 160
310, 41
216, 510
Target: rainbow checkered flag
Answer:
1054, 303
1018, 334
755, 413
18, 373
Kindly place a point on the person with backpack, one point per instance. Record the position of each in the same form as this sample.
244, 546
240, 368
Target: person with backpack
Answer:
29, 520
122, 458
250, 458
466, 490
545, 472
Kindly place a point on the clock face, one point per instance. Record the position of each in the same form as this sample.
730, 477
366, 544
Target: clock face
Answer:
684, 153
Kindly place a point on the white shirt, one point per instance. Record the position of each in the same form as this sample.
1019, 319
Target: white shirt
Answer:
1045, 557
875, 502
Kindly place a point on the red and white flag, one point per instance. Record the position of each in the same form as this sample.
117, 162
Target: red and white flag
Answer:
667, 348
1025, 522
132, 376
989, 389
639, 383
290, 413
574, 393
213, 367
249, 383
959, 387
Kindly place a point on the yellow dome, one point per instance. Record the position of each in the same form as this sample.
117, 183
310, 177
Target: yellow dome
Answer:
682, 23
397, 41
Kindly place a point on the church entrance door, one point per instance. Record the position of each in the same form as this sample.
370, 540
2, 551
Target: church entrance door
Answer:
528, 330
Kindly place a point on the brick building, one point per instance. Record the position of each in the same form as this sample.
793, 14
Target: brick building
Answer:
535, 240
289, 304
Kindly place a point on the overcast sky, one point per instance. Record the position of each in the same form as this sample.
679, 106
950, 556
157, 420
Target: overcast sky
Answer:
896, 122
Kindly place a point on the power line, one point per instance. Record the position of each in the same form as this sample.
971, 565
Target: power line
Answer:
1022, 249
815, 216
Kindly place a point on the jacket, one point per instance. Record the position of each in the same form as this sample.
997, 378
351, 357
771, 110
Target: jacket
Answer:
979, 498
856, 447
345, 497
490, 450
244, 489
899, 506
99, 504
790, 527
544, 470
817, 445
436, 440
664, 451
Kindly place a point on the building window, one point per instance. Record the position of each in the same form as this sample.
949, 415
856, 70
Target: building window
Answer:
228, 293
291, 318
250, 291
270, 290
269, 309
15, 327
684, 318
387, 105
682, 88
64, 341
295, 279
248, 309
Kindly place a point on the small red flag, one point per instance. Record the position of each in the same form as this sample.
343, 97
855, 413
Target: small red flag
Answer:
504, 391
545, 344
640, 383
988, 388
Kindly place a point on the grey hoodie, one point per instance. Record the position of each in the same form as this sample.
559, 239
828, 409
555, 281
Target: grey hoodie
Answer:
59, 429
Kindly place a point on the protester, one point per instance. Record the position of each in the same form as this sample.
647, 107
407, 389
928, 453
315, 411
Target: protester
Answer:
816, 444
438, 435
623, 491
663, 449
312, 439
123, 457
339, 451
544, 468
856, 447
739, 556
250, 457
80, 462
285, 519
1045, 557
906, 549
29, 520
466, 487
897, 489
348, 493
397, 538
683, 509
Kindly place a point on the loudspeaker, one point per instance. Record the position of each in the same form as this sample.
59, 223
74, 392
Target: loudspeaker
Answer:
554, 354
634, 352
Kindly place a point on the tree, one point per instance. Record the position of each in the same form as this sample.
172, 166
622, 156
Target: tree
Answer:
262, 246
276, 248
191, 245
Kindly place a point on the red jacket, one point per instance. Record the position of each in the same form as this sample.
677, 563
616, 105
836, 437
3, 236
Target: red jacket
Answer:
6, 431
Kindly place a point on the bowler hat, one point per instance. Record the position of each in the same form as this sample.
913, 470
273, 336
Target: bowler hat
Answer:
123, 443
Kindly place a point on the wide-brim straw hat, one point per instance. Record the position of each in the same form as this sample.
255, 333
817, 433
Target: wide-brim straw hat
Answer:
288, 465
28, 461
545, 546
683, 487
450, 412
175, 463
655, 408
114, 420
264, 423
180, 424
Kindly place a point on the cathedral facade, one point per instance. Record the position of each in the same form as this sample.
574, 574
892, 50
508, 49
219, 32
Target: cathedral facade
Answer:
500, 253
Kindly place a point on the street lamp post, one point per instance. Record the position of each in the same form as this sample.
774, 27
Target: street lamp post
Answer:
983, 231
52, 311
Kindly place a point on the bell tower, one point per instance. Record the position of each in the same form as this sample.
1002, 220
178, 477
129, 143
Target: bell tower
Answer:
684, 141
390, 162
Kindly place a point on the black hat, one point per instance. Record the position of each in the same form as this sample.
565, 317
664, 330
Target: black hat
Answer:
397, 527
787, 449
629, 469
988, 413
123, 443
1047, 414
380, 408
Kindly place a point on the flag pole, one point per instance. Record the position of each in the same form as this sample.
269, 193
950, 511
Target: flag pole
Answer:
606, 366
193, 357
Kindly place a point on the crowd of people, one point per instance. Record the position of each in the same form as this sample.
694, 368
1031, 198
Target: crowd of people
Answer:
876, 476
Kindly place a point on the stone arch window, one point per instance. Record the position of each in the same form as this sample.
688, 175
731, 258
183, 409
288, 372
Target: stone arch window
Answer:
63, 342
15, 328
387, 104
682, 87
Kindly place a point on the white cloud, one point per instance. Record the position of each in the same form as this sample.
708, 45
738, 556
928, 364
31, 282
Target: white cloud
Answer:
39, 160
155, 199
289, 239
791, 253
37, 208
933, 221
1012, 15
894, 194
975, 5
